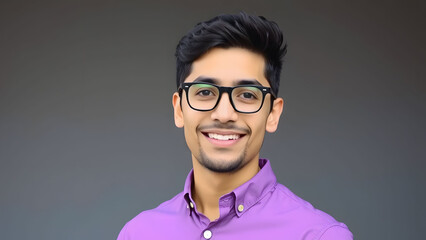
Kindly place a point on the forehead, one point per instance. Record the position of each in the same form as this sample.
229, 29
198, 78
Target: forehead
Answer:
229, 66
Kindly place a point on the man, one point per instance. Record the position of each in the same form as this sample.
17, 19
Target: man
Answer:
228, 72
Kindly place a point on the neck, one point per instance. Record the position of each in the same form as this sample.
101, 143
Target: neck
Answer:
209, 186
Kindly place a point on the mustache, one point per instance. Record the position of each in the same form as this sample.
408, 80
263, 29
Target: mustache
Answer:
227, 126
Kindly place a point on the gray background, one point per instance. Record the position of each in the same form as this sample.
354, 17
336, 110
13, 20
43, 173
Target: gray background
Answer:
87, 138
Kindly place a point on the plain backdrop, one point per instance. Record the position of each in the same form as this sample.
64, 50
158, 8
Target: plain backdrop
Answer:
87, 139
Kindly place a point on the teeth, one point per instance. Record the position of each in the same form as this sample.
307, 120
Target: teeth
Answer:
224, 137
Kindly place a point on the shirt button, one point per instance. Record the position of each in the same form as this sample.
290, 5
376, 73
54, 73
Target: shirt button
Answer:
240, 208
191, 204
207, 234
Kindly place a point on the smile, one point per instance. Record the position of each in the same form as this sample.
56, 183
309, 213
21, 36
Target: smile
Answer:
223, 137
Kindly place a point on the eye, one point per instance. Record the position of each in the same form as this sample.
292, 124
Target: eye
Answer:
248, 95
205, 92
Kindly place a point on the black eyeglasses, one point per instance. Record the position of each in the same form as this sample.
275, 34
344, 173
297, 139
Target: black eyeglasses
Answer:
206, 96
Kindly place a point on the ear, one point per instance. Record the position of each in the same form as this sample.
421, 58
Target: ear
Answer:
177, 110
274, 115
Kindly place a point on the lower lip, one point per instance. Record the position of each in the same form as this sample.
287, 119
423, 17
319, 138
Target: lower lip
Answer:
223, 143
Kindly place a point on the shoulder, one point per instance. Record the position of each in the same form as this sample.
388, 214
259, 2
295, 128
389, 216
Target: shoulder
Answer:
147, 222
311, 222
336, 233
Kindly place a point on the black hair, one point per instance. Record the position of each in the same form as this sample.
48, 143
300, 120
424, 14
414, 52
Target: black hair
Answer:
254, 33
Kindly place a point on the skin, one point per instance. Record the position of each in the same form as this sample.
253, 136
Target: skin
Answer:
220, 168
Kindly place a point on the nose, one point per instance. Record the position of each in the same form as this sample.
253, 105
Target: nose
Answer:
224, 112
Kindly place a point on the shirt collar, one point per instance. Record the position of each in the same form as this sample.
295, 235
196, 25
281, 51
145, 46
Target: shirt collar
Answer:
248, 193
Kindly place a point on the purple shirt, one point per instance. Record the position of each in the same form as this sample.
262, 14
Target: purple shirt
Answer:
261, 208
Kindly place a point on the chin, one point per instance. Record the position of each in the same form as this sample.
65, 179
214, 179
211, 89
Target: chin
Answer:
221, 165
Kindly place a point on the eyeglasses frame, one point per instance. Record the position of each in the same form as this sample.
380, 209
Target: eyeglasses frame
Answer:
264, 90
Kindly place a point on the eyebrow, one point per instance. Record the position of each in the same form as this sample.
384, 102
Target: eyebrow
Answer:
248, 82
240, 82
206, 80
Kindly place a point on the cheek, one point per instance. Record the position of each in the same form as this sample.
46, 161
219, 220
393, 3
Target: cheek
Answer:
189, 126
258, 128
191, 138
191, 122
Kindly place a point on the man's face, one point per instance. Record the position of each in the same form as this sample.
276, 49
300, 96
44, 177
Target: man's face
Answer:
222, 139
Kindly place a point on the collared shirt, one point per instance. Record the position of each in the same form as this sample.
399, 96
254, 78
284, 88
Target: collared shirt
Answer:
261, 208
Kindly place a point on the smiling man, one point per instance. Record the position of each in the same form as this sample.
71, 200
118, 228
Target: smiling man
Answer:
228, 72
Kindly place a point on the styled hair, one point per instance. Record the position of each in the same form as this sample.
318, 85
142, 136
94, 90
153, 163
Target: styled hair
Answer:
254, 33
